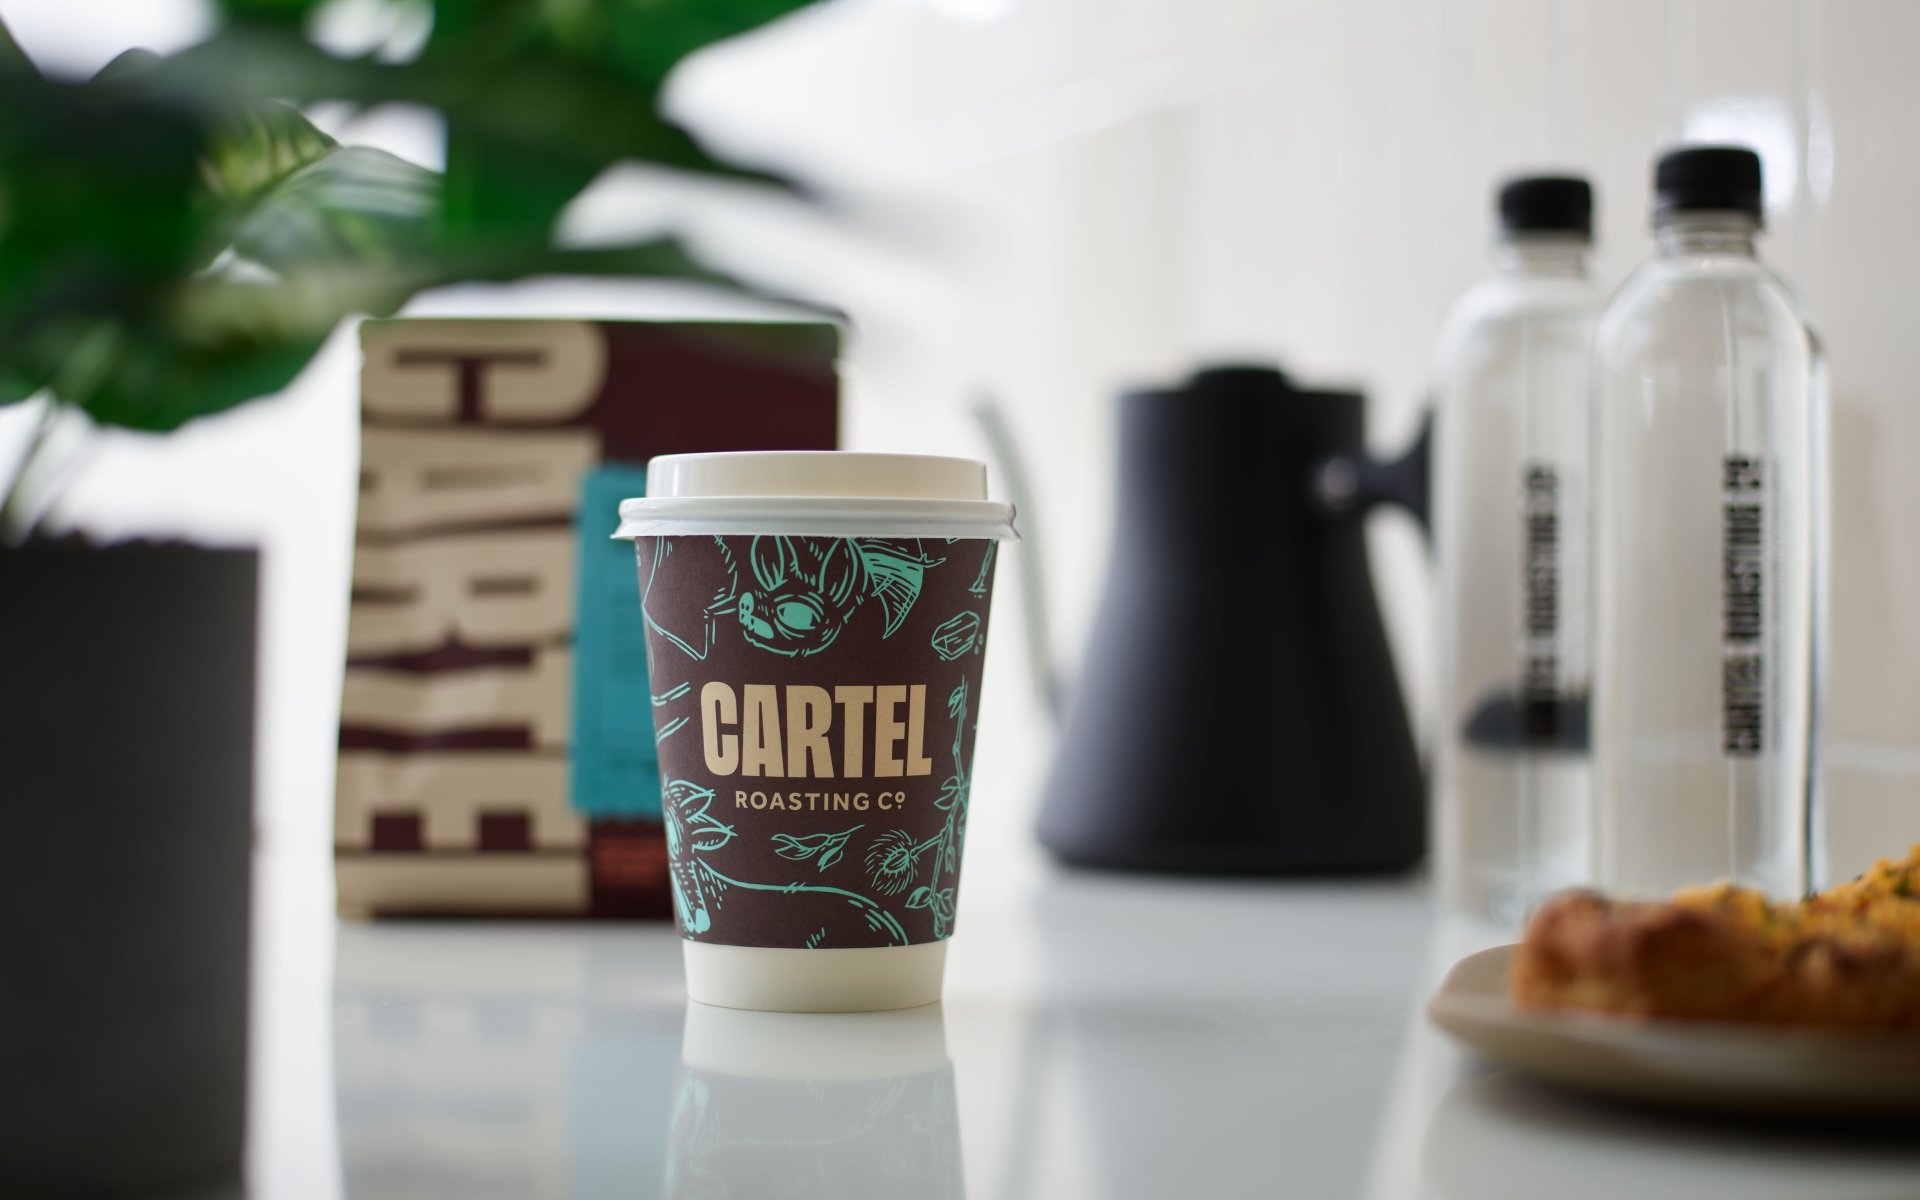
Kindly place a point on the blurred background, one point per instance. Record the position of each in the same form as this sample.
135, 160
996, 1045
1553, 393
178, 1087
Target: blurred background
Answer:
1047, 201
1074, 198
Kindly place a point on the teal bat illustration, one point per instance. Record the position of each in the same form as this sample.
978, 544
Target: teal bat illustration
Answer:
801, 592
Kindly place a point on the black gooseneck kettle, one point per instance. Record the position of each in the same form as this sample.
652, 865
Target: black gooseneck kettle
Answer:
1237, 710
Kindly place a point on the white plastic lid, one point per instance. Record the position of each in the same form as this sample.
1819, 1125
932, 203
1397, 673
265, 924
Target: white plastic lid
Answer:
817, 493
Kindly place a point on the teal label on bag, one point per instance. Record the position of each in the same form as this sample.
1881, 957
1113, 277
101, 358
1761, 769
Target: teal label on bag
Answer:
616, 763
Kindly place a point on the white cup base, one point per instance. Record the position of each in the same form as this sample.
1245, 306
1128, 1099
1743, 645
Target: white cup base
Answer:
779, 979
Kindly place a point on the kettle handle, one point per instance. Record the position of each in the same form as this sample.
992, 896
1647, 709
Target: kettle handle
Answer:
1012, 469
1354, 483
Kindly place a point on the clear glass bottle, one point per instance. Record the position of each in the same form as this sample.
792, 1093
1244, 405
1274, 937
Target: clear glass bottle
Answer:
1709, 473
1510, 521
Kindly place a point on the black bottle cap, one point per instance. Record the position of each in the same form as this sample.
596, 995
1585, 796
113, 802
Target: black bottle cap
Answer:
1547, 204
1699, 178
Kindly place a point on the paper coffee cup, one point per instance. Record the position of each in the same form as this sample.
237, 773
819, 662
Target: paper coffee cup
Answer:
816, 623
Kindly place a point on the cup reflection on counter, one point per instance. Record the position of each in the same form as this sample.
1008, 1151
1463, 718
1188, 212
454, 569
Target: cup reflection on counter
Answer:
839, 1105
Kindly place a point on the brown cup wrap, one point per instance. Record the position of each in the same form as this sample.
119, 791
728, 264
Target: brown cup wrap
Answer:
815, 702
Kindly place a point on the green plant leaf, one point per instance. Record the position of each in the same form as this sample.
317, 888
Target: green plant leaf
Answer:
12, 57
157, 381
252, 143
118, 193
16, 386
503, 188
553, 72
350, 206
273, 178
258, 145
96, 191
217, 340
135, 67
221, 334
289, 12
539, 97
639, 41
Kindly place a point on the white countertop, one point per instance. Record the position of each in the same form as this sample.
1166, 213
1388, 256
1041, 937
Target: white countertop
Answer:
1107, 1037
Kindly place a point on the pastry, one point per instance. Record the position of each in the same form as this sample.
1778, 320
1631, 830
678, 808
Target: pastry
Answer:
1846, 958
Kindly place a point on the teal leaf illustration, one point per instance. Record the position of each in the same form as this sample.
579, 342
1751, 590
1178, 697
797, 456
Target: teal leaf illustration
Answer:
939, 903
952, 792
685, 807
942, 906
689, 799
788, 846
957, 702
713, 837
956, 636
830, 847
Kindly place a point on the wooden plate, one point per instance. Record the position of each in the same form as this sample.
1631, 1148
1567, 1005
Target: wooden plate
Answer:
1692, 1064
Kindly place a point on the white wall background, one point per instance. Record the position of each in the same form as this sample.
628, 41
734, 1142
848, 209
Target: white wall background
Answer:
1066, 196
1062, 197
1154, 183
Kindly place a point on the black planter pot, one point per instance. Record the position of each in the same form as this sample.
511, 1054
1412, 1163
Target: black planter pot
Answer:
126, 764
